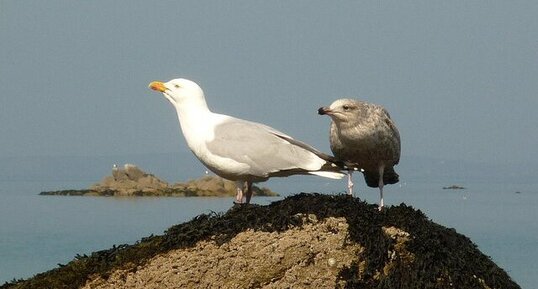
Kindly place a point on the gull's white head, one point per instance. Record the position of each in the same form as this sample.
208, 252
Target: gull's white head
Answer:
181, 92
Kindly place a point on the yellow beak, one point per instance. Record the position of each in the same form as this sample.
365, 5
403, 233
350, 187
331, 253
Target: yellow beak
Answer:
157, 86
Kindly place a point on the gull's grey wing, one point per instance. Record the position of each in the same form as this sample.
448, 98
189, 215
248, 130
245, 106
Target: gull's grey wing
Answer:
265, 150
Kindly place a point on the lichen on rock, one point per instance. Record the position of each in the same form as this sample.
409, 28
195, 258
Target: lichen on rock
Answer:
294, 258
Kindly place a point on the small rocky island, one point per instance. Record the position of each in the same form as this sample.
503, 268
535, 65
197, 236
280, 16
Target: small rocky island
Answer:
454, 187
132, 181
303, 241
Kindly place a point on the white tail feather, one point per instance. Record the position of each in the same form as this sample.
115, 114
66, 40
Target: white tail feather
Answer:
331, 175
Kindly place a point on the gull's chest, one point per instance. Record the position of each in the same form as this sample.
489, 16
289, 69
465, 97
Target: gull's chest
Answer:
198, 131
361, 140
359, 134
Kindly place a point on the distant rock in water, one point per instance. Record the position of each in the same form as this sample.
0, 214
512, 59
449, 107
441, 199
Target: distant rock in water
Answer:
454, 187
132, 181
303, 241
217, 186
129, 181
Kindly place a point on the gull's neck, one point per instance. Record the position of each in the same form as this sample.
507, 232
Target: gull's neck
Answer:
196, 121
192, 109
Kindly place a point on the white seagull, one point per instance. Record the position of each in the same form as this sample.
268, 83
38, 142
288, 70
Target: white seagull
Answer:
363, 133
240, 150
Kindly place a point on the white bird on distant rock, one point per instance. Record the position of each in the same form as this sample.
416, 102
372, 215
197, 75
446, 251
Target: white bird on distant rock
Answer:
240, 150
363, 133
115, 172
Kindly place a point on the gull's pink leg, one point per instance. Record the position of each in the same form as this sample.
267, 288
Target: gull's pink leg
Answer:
239, 185
381, 184
249, 192
350, 183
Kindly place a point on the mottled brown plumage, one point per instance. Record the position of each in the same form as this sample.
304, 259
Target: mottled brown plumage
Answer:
364, 133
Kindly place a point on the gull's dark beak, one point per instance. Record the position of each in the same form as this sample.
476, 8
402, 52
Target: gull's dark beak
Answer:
324, 110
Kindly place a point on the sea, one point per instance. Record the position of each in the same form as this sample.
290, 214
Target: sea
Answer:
37, 233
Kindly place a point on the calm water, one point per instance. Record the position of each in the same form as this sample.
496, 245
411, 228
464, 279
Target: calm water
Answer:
38, 232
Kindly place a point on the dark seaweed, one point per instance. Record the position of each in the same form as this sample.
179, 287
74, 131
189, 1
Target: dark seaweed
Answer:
442, 257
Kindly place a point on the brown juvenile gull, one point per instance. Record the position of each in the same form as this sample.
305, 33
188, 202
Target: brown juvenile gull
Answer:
240, 150
363, 133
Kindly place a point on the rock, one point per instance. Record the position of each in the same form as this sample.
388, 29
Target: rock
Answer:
133, 172
217, 186
454, 187
132, 181
303, 241
128, 180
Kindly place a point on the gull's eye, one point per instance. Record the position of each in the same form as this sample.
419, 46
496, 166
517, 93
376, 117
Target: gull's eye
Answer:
346, 107
177, 86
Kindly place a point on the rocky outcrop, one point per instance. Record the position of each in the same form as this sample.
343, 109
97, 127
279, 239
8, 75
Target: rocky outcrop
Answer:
129, 180
132, 181
454, 187
309, 256
217, 186
303, 241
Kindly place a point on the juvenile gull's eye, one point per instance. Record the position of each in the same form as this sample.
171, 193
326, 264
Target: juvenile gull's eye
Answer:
346, 107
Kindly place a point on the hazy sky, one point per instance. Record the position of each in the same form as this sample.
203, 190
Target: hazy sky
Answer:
460, 78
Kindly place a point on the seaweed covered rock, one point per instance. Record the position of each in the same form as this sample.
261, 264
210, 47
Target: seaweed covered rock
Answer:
303, 241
